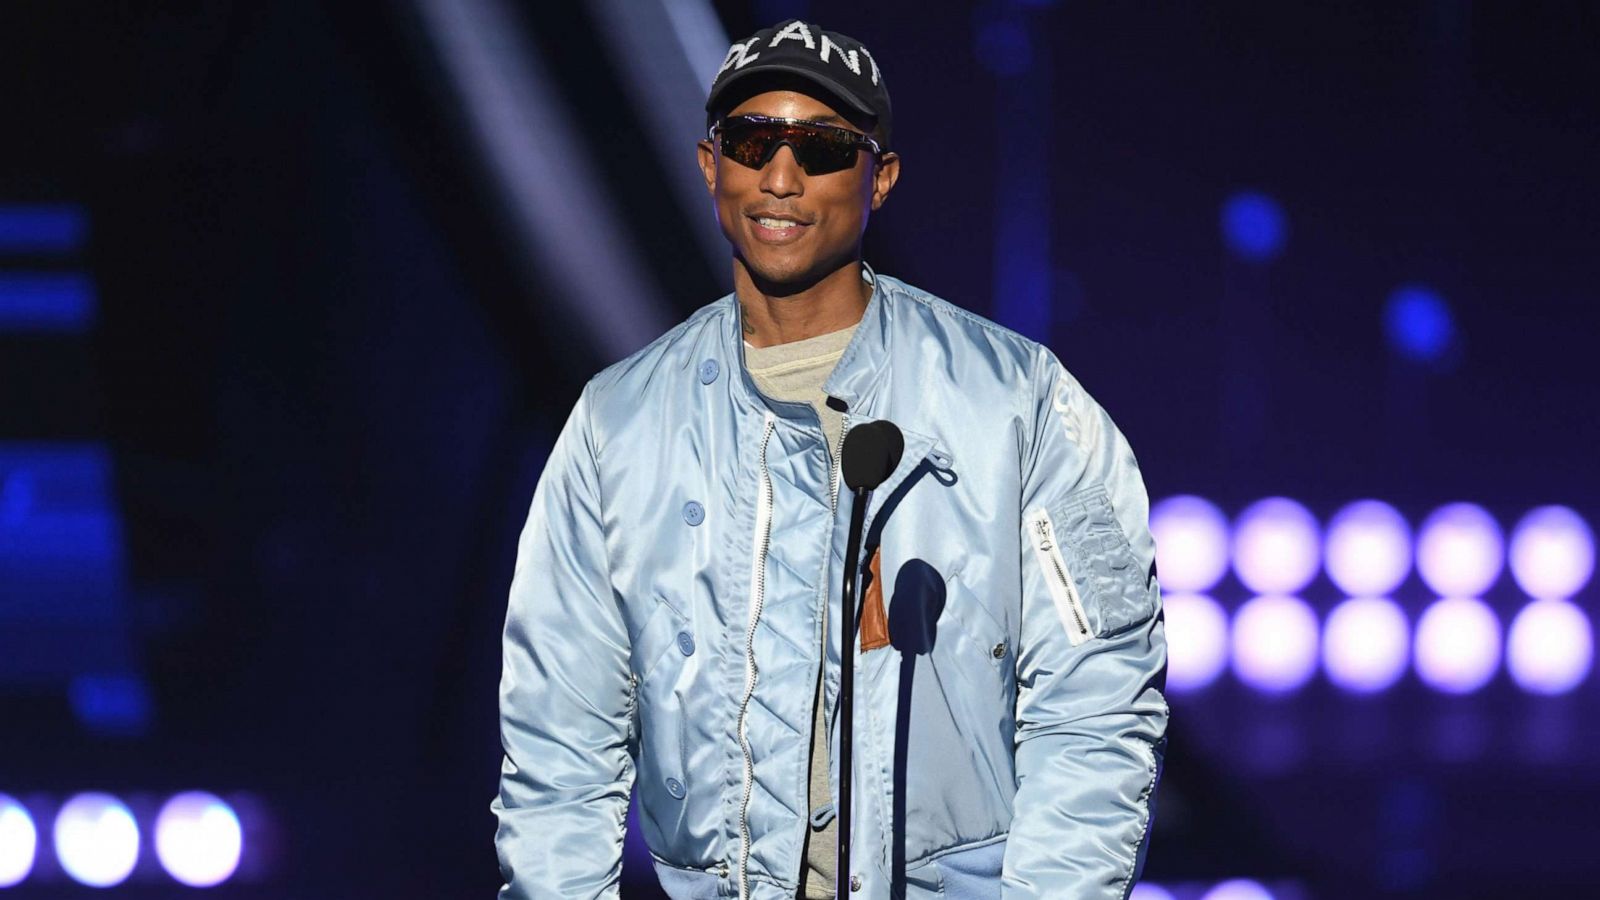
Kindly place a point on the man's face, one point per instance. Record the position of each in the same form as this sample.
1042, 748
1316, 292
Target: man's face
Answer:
822, 216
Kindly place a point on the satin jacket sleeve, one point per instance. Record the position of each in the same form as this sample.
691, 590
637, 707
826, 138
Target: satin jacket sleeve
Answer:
565, 691
1091, 667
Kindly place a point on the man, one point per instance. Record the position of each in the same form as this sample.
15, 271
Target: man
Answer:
674, 615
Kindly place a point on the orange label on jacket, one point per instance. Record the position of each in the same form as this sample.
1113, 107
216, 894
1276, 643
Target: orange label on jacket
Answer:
874, 621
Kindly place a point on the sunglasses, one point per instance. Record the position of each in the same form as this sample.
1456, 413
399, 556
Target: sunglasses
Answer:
752, 140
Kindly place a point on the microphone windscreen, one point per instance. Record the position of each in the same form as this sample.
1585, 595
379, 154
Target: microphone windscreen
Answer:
871, 452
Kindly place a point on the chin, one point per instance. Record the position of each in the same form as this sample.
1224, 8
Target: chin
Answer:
782, 271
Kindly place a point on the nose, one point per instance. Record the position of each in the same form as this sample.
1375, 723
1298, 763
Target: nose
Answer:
782, 175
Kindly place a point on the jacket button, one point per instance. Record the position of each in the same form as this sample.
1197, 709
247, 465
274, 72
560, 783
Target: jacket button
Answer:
675, 788
694, 513
708, 371
855, 882
1000, 650
686, 643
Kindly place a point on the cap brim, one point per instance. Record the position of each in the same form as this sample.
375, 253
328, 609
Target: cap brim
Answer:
832, 86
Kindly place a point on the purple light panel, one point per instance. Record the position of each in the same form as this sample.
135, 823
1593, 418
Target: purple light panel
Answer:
1457, 645
1239, 889
1368, 549
1197, 641
1366, 644
1552, 553
1274, 643
19, 840
96, 839
1460, 550
1276, 547
1550, 648
198, 839
1191, 536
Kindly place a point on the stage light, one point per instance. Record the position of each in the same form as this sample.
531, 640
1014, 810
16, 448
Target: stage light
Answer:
1550, 648
1191, 537
1004, 48
1197, 641
111, 704
1552, 553
42, 228
198, 839
1457, 645
1239, 889
1368, 549
1147, 891
1254, 226
1276, 546
1460, 551
46, 302
1274, 643
18, 842
96, 839
1366, 644
1418, 323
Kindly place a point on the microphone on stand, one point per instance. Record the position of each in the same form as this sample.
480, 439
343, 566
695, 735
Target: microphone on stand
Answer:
871, 452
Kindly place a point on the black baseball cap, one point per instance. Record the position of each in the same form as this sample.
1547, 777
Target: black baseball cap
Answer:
795, 51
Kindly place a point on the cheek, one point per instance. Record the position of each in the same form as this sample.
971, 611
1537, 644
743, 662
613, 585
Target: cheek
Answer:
732, 188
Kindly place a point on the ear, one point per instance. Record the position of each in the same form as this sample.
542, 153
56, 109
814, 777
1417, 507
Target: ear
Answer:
884, 176
708, 166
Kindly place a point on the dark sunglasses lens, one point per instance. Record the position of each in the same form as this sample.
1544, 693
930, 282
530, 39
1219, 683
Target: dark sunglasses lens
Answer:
818, 152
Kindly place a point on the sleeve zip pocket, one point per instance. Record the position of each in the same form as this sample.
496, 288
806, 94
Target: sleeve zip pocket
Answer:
1063, 591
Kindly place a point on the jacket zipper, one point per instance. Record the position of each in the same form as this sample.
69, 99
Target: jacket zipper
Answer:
827, 593
1063, 591
758, 588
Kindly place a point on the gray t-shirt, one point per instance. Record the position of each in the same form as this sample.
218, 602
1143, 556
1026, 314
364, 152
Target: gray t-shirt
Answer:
796, 371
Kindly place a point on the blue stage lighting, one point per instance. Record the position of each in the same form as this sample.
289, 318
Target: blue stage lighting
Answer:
1274, 643
1239, 889
1254, 226
1457, 645
96, 840
1004, 48
1366, 644
111, 704
779, 10
199, 839
1418, 324
1550, 648
1191, 536
46, 302
1197, 641
1552, 553
1277, 546
19, 840
1460, 550
1367, 551
54, 228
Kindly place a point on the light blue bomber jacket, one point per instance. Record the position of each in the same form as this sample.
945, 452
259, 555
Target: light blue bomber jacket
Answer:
665, 625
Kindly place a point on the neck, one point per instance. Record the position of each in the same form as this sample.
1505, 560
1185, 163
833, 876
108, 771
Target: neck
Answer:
780, 315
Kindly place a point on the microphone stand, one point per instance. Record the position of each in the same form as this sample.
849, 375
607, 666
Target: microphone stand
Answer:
852, 572
870, 453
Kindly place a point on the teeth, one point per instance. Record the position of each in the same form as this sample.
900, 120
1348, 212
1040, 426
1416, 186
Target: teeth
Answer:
776, 223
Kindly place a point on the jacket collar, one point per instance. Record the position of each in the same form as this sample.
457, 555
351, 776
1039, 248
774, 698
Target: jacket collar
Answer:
854, 376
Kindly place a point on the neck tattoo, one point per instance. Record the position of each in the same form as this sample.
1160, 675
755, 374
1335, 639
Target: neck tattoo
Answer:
745, 317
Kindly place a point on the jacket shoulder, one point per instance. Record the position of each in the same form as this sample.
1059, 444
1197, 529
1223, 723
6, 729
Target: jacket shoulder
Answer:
1015, 353
680, 347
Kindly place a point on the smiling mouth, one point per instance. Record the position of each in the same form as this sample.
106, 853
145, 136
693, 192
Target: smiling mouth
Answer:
771, 230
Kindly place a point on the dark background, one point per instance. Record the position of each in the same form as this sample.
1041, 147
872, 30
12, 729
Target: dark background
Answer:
323, 368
